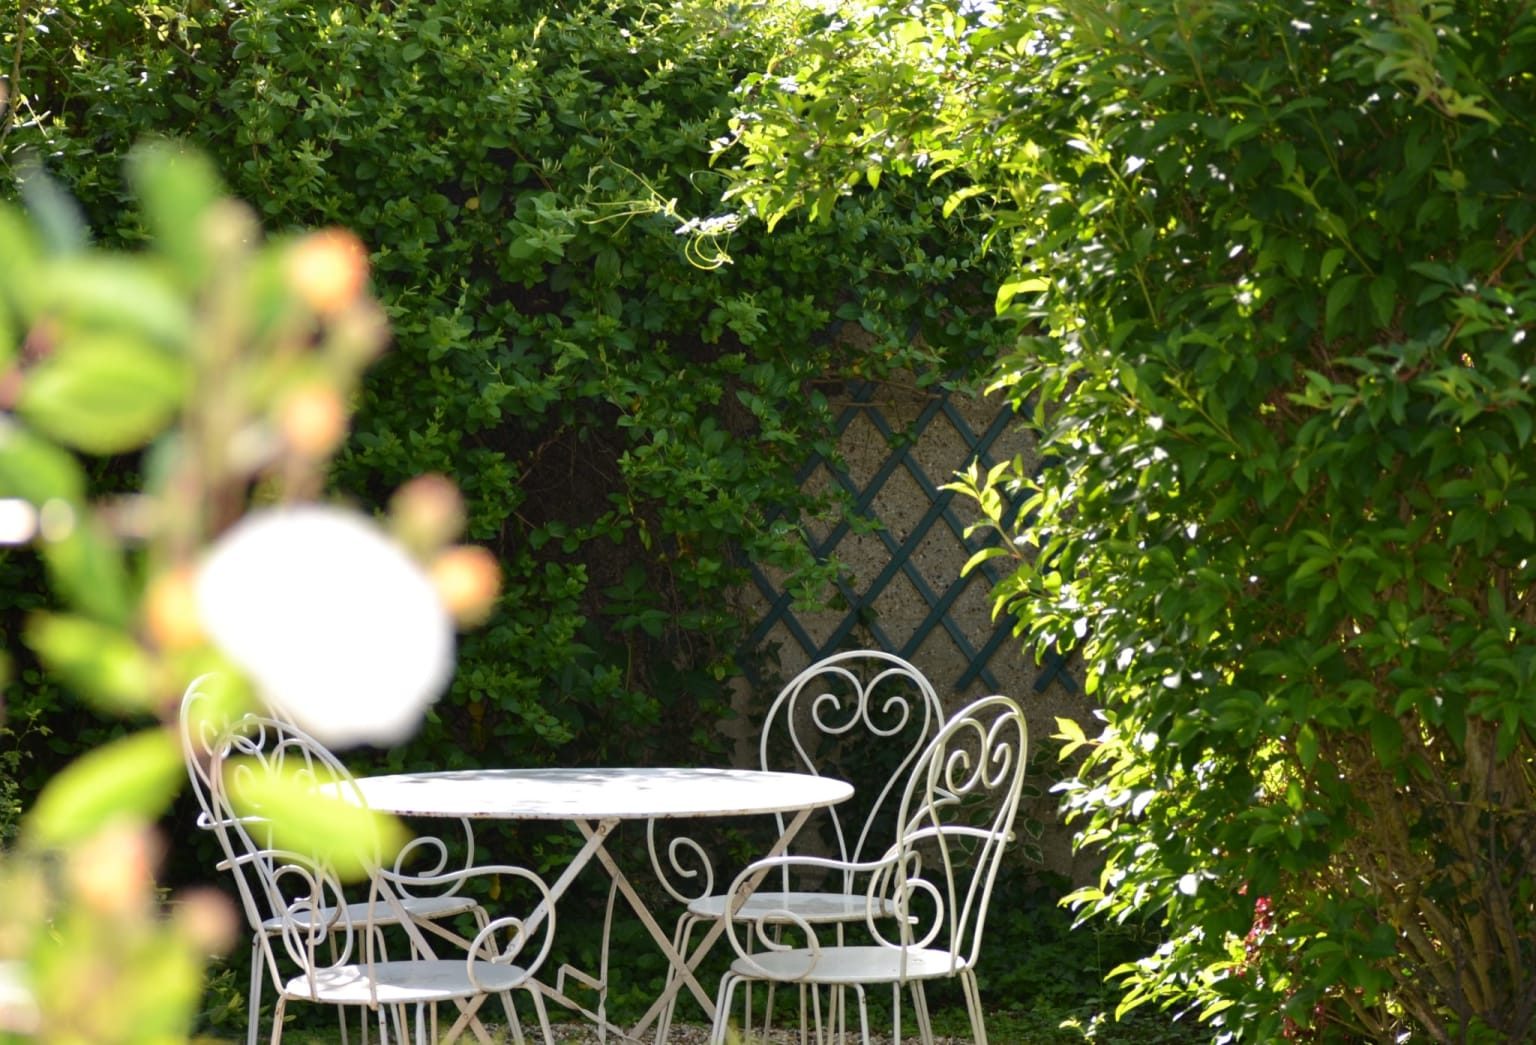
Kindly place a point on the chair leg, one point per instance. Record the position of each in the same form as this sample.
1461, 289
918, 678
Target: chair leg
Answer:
920, 1012
863, 1013
825, 1028
896, 1013
602, 967
778, 937
542, 1013
746, 991
682, 937
277, 1020
973, 1006
341, 1010
258, 977
804, 1025
513, 1023
722, 1009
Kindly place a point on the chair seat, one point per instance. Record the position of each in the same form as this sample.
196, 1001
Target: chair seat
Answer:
815, 908
404, 982
422, 908
848, 965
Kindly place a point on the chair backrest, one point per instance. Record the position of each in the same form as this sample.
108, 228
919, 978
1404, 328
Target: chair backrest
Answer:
957, 816
287, 896
863, 716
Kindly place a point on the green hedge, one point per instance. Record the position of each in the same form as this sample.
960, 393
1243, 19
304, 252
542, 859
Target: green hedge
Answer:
619, 409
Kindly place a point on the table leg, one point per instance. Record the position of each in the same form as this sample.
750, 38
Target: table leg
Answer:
596, 836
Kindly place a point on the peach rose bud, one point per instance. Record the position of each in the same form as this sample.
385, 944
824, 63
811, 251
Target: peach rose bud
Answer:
328, 270
468, 580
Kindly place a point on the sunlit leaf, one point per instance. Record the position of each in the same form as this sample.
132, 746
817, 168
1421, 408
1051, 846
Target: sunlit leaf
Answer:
86, 565
35, 469
102, 664
21, 251
54, 213
135, 776
103, 393
306, 817
115, 293
176, 188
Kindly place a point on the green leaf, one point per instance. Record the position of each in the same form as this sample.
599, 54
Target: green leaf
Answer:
177, 188
133, 777
1340, 296
1331, 259
959, 196
101, 663
117, 294
86, 564
1008, 291
981, 556
35, 469
348, 838
1383, 295
22, 254
1387, 739
55, 214
103, 393
1306, 746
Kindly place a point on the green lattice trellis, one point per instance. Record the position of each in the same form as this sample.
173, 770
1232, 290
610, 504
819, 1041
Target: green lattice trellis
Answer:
780, 610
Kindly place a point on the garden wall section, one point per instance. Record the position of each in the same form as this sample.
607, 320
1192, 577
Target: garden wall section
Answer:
901, 588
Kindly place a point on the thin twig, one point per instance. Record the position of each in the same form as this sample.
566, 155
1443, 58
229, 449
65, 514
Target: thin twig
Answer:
12, 96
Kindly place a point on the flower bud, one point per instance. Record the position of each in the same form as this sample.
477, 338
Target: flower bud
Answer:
112, 873
206, 917
312, 420
468, 580
427, 513
170, 610
328, 269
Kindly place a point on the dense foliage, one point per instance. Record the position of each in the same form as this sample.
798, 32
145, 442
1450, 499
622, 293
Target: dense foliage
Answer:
227, 361
618, 407
1273, 281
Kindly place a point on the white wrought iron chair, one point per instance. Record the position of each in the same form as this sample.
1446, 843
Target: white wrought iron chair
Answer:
303, 921
956, 818
864, 706
203, 728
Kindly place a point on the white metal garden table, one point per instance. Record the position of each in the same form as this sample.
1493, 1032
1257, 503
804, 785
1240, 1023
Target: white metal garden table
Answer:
596, 801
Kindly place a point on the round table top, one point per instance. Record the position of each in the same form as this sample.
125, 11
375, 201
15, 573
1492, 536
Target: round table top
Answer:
599, 794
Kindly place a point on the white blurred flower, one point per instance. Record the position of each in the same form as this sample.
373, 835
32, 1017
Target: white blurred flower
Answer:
339, 629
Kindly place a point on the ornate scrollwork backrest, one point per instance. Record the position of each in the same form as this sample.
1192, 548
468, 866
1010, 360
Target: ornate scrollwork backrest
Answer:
957, 816
287, 896
859, 706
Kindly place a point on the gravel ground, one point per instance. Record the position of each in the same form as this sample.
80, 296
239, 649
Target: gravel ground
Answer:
698, 1034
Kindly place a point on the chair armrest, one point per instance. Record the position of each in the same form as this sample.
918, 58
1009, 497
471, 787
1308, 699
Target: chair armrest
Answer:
505, 940
877, 870
436, 851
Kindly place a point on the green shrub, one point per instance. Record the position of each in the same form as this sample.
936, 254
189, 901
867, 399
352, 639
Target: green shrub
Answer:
1273, 280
